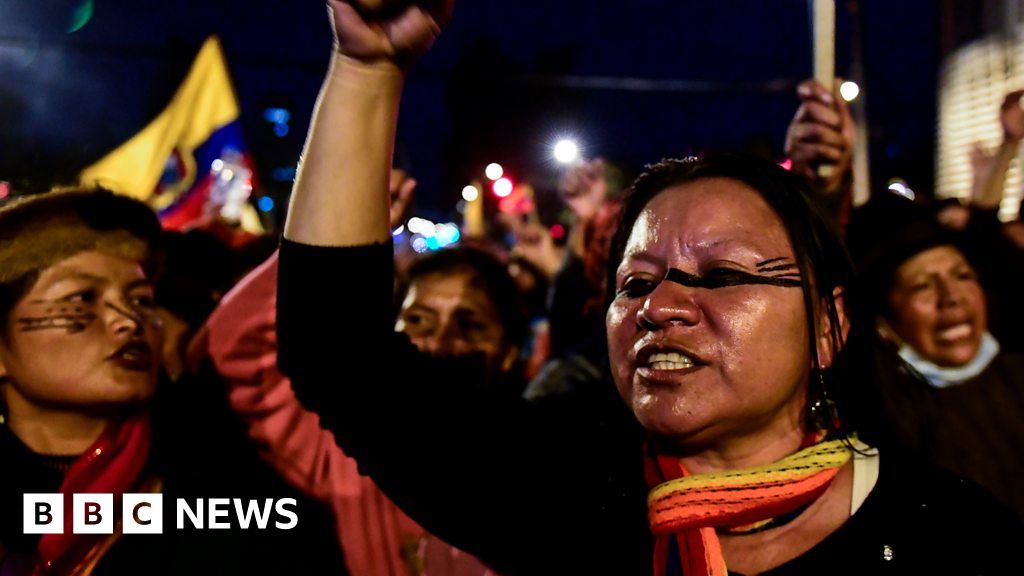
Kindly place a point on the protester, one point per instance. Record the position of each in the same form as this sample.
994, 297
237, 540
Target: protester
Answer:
929, 305
458, 302
933, 280
727, 343
83, 412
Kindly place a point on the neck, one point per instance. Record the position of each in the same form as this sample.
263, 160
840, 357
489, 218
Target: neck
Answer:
742, 452
50, 431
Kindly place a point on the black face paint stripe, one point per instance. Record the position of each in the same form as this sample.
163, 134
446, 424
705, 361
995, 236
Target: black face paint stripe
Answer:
770, 260
778, 268
72, 323
733, 278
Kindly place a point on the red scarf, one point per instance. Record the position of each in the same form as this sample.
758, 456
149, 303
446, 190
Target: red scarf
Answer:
689, 508
112, 465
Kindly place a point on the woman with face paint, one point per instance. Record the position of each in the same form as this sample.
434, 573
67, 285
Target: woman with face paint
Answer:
81, 412
731, 438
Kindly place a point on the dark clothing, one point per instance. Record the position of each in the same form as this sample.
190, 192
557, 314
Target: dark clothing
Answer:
999, 263
974, 429
535, 490
198, 453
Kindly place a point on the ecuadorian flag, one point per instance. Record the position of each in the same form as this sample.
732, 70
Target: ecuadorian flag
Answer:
190, 160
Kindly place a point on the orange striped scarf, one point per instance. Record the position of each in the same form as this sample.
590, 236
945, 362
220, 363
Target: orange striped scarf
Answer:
689, 508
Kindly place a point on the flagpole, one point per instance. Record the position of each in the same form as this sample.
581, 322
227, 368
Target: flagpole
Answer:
823, 30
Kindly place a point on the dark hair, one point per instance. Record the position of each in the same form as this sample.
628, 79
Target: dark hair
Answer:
820, 255
883, 234
490, 274
27, 226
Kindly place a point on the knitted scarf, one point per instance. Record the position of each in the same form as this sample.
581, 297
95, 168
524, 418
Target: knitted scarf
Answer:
113, 464
685, 510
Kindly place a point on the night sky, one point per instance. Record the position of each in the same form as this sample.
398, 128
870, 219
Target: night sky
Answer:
633, 81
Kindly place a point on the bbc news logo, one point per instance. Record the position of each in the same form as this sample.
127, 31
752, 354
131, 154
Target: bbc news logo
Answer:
144, 514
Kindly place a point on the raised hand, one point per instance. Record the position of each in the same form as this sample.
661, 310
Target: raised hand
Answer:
1011, 116
821, 134
533, 243
584, 188
400, 188
369, 31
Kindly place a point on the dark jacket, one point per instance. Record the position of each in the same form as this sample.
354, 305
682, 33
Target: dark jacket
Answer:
534, 490
198, 450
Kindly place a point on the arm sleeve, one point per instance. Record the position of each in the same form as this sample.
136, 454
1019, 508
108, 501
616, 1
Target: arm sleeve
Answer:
240, 341
484, 473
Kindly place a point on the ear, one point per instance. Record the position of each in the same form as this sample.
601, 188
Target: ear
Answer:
826, 350
3, 362
509, 359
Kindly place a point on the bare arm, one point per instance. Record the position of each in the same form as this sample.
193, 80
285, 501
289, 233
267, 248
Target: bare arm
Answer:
341, 191
990, 173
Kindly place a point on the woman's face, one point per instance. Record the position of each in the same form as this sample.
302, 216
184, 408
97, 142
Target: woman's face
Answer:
449, 314
937, 306
707, 334
85, 337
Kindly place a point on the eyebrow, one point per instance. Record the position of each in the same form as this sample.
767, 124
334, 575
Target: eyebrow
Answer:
79, 275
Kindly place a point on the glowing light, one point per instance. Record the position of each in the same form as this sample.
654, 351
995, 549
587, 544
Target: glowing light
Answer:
398, 231
421, 226
277, 115
5, 190
280, 130
227, 174
494, 171
265, 204
557, 231
217, 165
81, 16
566, 151
849, 90
900, 187
786, 164
503, 187
447, 234
419, 244
470, 193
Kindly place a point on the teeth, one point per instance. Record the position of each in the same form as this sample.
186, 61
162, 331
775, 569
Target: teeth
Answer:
669, 361
955, 332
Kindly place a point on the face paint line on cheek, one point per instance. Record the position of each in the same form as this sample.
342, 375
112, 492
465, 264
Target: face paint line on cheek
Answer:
70, 323
732, 278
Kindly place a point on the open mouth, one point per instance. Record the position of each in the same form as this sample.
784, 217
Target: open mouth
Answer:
669, 361
134, 356
955, 332
654, 361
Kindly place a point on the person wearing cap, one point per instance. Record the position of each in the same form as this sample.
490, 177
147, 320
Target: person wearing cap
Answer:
952, 390
83, 409
961, 402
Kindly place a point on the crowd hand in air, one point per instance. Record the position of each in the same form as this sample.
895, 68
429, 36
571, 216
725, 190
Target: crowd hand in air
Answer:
533, 243
339, 196
989, 167
821, 134
387, 31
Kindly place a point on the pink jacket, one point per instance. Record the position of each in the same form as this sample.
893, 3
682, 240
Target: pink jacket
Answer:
376, 537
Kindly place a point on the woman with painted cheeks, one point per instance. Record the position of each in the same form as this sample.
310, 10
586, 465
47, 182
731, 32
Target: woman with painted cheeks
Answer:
81, 411
735, 439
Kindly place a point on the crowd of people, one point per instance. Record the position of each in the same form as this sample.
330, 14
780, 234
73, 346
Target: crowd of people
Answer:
737, 370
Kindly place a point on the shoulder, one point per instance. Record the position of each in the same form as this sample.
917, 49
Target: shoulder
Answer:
916, 509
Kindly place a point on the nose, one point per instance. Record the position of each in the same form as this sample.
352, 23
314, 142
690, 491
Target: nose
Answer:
669, 303
122, 318
949, 291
